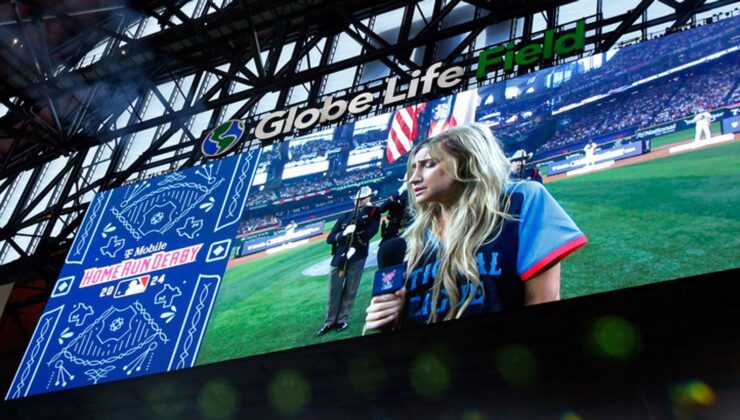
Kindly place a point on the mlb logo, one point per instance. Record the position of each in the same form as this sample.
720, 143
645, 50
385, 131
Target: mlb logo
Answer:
388, 280
132, 286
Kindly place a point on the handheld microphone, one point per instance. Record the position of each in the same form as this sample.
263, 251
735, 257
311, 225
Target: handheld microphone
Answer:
391, 268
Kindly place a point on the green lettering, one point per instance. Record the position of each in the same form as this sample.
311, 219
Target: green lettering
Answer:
531, 53
547, 50
577, 38
488, 58
509, 58
528, 54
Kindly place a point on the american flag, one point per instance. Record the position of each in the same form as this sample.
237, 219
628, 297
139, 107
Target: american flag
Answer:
452, 111
404, 130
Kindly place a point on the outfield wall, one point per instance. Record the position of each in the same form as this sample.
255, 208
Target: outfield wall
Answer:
603, 154
285, 237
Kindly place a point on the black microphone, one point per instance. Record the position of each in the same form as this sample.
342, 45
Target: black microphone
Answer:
391, 268
391, 252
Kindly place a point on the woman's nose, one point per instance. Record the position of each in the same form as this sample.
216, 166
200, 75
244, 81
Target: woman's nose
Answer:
415, 176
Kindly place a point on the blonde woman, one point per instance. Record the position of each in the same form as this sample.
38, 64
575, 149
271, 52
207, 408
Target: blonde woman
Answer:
479, 243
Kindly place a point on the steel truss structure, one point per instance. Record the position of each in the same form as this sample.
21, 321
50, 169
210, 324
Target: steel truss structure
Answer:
111, 101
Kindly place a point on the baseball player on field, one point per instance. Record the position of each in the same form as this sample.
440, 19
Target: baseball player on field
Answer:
703, 120
589, 150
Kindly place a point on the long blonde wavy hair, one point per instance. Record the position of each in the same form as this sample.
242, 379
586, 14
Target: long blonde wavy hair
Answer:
475, 160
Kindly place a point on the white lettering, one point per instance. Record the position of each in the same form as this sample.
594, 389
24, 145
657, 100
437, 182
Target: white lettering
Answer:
333, 110
390, 97
429, 77
451, 77
360, 103
302, 122
274, 128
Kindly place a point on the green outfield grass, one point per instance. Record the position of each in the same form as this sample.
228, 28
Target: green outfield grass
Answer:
267, 305
658, 220
654, 221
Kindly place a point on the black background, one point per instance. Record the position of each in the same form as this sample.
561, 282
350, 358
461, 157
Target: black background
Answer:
688, 331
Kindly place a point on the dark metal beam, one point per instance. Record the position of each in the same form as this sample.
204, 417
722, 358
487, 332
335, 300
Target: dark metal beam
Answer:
685, 12
672, 3
627, 22
294, 26
395, 68
383, 43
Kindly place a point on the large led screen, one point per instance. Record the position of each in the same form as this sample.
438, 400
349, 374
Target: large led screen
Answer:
616, 170
653, 204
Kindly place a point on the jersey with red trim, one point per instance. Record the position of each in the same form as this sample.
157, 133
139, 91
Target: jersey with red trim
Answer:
539, 233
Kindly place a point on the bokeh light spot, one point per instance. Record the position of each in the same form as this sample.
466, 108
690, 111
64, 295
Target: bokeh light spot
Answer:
570, 415
367, 374
166, 400
517, 365
217, 400
473, 415
429, 376
692, 393
289, 392
679, 396
701, 393
615, 338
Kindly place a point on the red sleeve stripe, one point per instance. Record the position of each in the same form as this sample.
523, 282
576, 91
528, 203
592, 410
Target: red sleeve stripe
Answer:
555, 255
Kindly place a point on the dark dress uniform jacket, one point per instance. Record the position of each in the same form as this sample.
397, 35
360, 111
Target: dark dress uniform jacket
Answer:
368, 222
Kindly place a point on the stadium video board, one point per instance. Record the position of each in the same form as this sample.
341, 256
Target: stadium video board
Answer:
622, 164
137, 288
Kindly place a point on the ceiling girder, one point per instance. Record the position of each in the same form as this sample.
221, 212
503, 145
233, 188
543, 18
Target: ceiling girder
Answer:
624, 27
267, 29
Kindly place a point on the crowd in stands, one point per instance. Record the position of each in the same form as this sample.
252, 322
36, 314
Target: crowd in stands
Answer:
313, 203
735, 97
305, 187
636, 108
517, 109
257, 198
646, 59
370, 139
357, 177
258, 223
669, 98
298, 151
310, 149
318, 148
312, 185
701, 92
514, 133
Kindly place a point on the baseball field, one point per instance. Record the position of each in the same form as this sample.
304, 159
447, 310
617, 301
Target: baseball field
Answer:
646, 222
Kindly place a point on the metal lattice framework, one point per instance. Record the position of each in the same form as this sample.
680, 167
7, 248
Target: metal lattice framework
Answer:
126, 92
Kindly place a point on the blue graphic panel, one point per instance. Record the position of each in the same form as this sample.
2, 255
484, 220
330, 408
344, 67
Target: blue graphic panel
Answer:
140, 279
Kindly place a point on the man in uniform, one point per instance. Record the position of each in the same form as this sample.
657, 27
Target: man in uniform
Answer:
350, 238
398, 214
703, 120
589, 150
519, 169
290, 231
